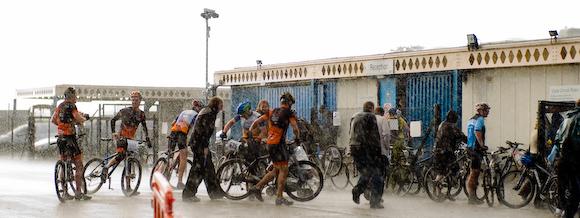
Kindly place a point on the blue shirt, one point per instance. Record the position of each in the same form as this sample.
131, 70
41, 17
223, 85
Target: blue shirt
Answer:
474, 125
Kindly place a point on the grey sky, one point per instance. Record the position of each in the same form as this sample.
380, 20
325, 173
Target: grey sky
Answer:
161, 43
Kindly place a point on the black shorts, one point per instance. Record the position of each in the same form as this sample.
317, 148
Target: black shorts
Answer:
68, 146
278, 153
475, 157
177, 138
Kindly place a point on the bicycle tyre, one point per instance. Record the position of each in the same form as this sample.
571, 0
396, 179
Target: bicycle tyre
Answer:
336, 181
332, 161
132, 165
521, 179
488, 188
552, 194
159, 166
92, 175
60, 181
238, 167
308, 171
430, 185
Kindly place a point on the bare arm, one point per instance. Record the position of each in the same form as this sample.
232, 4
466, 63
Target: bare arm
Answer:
257, 122
479, 137
78, 117
294, 125
229, 125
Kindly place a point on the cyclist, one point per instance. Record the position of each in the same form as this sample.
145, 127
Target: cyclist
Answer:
476, 147
447, 140
263, 108
203, 168
278, 121
178, 137
399, 135
247, 117
65, 117
567, 145
130, 117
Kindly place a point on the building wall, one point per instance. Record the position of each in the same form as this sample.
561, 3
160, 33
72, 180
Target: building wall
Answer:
351, 95
513, 94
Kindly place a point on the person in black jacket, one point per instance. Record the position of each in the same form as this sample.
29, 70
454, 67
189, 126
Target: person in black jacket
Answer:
203, 168
448, 138
366, 152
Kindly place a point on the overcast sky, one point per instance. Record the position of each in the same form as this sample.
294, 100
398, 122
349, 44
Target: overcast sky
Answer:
162, 43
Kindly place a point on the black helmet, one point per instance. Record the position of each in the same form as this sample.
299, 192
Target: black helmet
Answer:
287, 98
70, 92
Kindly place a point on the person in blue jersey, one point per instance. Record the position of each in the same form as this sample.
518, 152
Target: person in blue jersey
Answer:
476, 148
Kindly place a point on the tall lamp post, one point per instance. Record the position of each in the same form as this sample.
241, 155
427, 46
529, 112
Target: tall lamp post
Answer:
207, 14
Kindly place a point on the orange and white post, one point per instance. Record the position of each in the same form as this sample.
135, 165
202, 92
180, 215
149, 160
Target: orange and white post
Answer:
162, 202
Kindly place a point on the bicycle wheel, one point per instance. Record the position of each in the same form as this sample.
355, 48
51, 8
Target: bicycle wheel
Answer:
456, 185
304, 181
488, 188
341, 181
405, 180
516, 189
416, 184
60, 182
173, 177
159, 166
93, 175
353, 175
231, 177
551, 193
131, 177
332, 161
436, 190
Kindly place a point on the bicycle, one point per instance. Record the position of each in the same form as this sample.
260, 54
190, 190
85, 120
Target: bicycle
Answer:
501, 162
132, 171
528, 177
304, 181
349, 170
418, 168
332, 160
64, 180
166, 164
450, 185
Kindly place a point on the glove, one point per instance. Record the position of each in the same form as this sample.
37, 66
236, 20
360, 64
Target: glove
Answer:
148, 141
223, 135
86, 116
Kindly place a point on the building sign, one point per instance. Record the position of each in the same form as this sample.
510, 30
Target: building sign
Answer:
564, 93
379, 67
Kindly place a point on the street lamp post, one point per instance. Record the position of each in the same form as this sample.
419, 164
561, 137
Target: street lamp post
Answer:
207, 14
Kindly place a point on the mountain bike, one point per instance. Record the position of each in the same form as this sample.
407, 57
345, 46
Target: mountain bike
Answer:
304, 182
168, 165
64, 179
96, 172
518, 187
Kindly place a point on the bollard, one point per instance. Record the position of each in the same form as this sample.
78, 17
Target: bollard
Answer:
162, 202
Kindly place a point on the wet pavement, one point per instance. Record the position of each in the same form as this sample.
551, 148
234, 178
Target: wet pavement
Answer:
27, 190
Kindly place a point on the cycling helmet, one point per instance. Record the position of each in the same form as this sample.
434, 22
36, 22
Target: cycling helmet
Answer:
70, 92
527, 160
136, 93
482, 106
244, 107
287, 98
